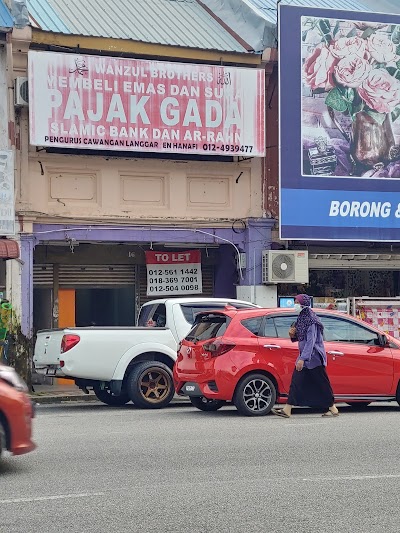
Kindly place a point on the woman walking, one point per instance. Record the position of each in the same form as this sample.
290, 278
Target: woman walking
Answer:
310, 385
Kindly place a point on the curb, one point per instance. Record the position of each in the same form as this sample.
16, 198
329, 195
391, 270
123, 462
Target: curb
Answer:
63, 398
43, 400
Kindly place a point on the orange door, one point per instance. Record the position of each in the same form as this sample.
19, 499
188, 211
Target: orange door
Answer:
66, 316
66, 308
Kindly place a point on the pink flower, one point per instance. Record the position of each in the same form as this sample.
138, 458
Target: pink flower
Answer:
319, 67
380, 91
381, 48
352, 70
348, 45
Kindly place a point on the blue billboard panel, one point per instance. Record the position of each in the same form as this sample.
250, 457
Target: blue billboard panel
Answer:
339, 125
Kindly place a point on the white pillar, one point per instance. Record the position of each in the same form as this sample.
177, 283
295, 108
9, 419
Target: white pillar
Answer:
262, 295
14, 285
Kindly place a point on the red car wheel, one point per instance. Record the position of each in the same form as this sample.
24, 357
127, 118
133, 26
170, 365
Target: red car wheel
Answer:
255, 395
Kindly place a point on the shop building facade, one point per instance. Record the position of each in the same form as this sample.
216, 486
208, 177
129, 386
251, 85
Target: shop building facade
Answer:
87, 217
9, 248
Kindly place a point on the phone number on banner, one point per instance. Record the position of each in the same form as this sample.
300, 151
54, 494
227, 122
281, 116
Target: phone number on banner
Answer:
179, 280
210, 147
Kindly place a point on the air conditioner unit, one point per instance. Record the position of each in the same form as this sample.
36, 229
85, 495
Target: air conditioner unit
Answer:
285, 266
21, 98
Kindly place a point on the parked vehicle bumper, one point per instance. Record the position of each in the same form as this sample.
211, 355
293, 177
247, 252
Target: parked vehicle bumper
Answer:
52, 371
21, 426
214, 385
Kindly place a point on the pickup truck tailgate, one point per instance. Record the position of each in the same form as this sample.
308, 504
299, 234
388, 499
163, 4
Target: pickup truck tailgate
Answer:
48, 347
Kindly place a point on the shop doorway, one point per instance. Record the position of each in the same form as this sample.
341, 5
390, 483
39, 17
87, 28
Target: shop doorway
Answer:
105, 307
85, 307
42, 308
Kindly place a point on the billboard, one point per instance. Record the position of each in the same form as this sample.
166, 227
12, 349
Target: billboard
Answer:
339, 125
108, 103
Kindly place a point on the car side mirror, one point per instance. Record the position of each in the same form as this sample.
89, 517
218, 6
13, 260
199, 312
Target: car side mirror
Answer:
383, 341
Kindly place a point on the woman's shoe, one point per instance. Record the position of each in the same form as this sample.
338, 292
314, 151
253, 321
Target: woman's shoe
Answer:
280, 412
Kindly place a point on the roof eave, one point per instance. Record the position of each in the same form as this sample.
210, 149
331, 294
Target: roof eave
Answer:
141, 48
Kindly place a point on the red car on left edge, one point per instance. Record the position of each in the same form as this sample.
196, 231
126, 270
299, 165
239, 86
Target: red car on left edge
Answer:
16, 413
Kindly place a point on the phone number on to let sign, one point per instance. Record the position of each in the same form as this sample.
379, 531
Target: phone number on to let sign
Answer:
174, 280
174, 288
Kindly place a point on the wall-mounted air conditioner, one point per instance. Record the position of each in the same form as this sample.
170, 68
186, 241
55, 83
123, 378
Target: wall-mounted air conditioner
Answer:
285, 266
21, 98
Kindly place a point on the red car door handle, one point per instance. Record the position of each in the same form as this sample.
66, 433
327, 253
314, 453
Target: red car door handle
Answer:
272, 346
333, 352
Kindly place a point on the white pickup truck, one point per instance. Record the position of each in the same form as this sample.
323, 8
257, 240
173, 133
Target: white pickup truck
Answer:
125, 364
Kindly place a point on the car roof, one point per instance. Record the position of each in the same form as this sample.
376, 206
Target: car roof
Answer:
248, 313
200, 300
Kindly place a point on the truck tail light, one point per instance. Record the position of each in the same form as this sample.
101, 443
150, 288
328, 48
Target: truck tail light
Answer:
68, 342
218, 348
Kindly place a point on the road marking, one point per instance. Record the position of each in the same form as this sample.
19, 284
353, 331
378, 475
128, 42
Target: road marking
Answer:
59, 497
352, 478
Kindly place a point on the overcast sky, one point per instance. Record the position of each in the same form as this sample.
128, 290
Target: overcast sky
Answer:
383, 6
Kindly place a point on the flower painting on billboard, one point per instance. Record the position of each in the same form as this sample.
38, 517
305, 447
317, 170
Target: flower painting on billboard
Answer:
350, 98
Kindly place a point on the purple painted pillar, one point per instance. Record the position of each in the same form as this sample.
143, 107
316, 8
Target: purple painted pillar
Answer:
225, 273
27, 247
259, 238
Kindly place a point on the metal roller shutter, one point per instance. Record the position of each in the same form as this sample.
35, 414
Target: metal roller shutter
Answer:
90, 276
42, 275
208, 284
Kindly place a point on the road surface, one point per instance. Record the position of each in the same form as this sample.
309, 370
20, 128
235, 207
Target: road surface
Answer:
100, 469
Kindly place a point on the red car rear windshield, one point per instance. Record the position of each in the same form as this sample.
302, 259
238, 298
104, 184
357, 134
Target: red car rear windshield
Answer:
208, 327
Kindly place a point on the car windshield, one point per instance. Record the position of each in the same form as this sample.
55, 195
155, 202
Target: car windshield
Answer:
208, 327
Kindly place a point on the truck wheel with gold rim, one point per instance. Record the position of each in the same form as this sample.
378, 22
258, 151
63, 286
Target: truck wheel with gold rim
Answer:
150, 385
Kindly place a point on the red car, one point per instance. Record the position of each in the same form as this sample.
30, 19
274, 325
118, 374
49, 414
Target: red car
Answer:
246, 357
16, 413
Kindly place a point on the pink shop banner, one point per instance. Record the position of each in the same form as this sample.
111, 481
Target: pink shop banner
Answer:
107, 103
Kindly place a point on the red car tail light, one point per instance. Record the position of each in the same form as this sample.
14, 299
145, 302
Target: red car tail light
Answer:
68, 342
218, 348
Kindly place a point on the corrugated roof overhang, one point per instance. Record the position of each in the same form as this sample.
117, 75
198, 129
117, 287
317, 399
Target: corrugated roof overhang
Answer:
6, 20
167, 22
140, 49
256, 20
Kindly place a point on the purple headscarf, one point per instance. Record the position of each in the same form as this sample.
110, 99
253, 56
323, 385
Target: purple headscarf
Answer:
306, 318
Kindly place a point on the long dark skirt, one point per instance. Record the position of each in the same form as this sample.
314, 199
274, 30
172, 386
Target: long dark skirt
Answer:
311, 388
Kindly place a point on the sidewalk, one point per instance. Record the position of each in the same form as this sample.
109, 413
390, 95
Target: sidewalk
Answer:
60, 393
45, 394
